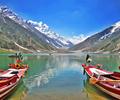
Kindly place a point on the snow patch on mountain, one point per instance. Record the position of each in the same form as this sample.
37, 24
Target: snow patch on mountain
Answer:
116, 27
106, 36
5, 11
77, 39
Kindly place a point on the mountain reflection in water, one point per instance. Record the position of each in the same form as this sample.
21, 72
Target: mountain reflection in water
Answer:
60, 77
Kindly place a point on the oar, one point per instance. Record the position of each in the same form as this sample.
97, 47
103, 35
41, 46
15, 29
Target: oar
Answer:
93, 80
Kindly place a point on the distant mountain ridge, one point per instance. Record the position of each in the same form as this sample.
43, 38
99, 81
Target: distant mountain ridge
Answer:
106, 40
50, 37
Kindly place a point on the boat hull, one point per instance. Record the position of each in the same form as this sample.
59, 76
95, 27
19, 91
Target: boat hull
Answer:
4, 94
10, 85
110, 90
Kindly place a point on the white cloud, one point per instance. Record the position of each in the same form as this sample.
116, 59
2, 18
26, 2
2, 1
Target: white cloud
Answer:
77, 39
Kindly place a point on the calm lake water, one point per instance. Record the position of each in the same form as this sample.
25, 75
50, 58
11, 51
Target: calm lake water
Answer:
59, 77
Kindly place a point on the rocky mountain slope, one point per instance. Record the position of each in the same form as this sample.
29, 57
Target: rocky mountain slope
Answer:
13, 30
55, 39
106, 40
40, 30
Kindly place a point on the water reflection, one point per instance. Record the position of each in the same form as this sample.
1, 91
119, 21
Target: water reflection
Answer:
56, 77
62, 78
55, 67
41, 79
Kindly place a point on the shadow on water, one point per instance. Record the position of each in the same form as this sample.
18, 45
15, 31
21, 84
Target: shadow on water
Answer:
59, 77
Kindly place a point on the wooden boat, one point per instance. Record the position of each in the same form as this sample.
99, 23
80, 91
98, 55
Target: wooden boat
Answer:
9, 79
108, 82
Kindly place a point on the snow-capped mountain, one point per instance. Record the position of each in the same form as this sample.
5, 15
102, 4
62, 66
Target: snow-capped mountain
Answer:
106, 40
77, 39
5, 11
115, 28
15, 34
59, 41
42, 30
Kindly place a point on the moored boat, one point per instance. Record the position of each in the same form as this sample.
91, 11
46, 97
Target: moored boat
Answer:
108, 82
9, 80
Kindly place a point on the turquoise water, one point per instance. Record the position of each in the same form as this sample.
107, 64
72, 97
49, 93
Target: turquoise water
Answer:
59, 76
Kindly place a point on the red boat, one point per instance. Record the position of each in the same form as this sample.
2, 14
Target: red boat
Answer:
108, 82
9, 80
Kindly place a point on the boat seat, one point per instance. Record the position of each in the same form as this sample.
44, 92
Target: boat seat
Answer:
109, 76
14, 72
9, 74
98, 72
116, 75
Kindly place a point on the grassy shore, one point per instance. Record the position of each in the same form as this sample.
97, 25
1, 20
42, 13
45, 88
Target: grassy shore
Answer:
5, 51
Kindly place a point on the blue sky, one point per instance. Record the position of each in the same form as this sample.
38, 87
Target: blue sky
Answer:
69, 17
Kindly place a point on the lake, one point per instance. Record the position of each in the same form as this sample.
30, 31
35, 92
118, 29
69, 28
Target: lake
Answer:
59, 77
